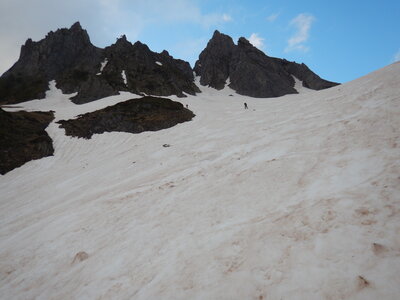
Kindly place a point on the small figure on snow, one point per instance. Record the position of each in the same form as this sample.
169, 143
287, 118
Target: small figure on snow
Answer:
245, 106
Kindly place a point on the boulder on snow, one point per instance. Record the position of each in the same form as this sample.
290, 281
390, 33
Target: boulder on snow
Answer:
134, 116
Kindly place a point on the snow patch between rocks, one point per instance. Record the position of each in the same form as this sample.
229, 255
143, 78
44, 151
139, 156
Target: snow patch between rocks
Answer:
103, 64
123, 74
298, 86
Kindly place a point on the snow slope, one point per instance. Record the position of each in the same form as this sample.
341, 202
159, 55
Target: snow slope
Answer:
295, 198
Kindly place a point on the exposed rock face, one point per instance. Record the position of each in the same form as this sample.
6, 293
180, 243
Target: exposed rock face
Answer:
250, 71
59, 51
135, 116
62, 52
68, 56
146, 71
214, 62
23, 138
309, 78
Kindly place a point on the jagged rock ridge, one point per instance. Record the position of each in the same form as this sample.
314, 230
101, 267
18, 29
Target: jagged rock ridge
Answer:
68, 56
251, 72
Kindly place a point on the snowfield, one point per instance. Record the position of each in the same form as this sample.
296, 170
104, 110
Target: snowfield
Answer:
297, 197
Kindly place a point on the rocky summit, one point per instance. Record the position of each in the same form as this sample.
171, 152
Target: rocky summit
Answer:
250, 71
68, 56
65, 55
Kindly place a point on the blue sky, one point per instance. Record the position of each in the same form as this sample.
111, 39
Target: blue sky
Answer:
339, 40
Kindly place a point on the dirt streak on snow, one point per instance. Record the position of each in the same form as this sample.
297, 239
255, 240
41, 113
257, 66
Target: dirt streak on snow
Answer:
295, 198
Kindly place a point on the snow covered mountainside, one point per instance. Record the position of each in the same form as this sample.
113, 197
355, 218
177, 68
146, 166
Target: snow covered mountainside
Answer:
297, 197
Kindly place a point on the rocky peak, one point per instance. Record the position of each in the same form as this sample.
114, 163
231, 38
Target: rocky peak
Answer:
76, 27
122, 42
222, 41
57, 56
216, 34
245, 50
74, 35
138, 46
120, 48
165, 53
57, 51
213, 63
244, 42
68, 57
26, 48
244, 45
251, 72
160, 74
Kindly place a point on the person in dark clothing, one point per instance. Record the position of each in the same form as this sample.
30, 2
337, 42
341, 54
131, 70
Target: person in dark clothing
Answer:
245, 106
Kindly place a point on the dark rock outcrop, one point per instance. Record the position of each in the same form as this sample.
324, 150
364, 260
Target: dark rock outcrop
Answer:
250, 71
309, 78
65, 51
68, 56
215, 60
135, 116
255, 74
23, 138
146, 71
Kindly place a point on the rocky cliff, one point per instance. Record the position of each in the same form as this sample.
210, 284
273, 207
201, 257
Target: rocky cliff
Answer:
250, 71
68, 56
23, 138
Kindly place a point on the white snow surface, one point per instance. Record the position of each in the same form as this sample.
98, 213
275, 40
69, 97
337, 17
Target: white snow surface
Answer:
158, 63
103, 64
298, 86
123, 74
297, 197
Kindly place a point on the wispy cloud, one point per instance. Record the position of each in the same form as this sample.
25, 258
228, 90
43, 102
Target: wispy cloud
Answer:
272, 18
226, 18
302, 23
256, 41
396, 57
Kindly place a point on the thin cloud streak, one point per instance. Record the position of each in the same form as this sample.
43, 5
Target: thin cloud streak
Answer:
302, 23
226, 18
272, 18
